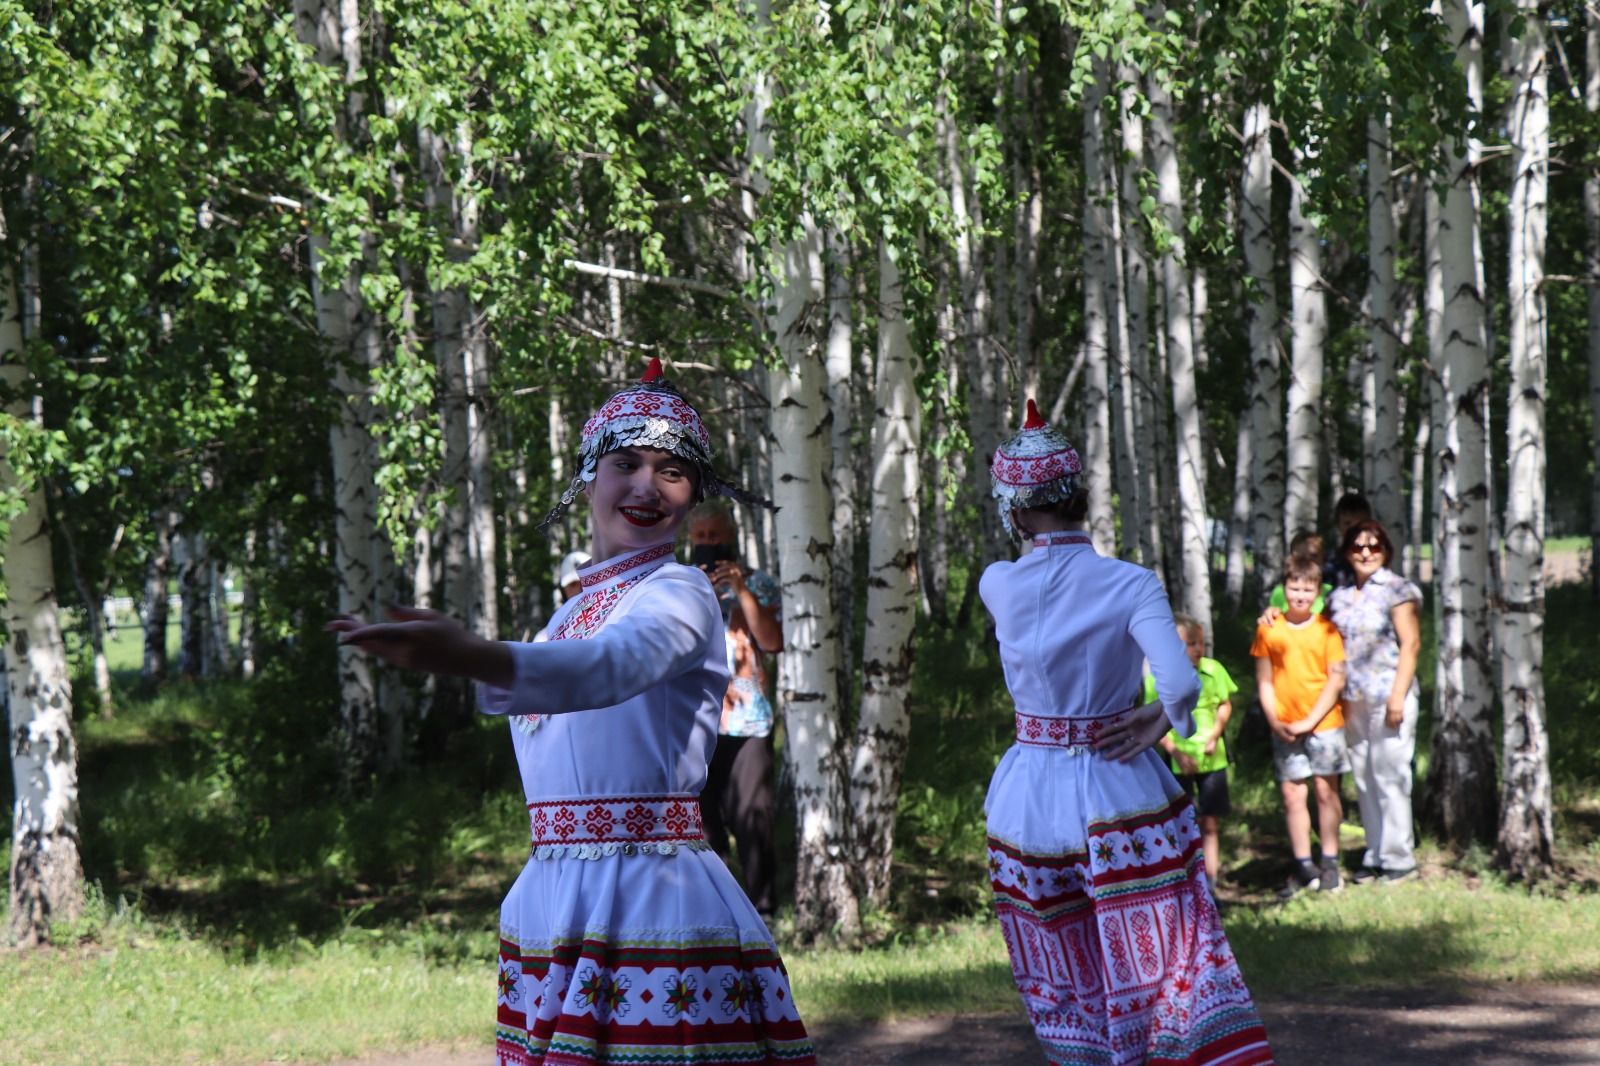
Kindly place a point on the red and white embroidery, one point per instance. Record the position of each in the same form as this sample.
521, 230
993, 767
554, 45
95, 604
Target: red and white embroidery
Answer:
1044, 731
604, 586
616, 820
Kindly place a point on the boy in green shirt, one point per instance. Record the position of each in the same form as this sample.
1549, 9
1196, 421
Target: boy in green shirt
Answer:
1201, 761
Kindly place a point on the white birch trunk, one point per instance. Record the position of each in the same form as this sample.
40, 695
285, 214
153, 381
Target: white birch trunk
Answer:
1195, 543
219, 642
333, 27
1096, 408
802, 535
449, 312
1463, 768
192, 604
1527, 834
1124, 410
1136, 300
883, 726
840, 359
1591, 214
808, 686
984, 421
1308, 337
1419, 492
1380, 424
1239, 516
46, 876
1266, 390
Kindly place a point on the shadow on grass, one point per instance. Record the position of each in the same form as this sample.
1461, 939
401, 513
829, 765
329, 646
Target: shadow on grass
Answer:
852, 996
216, 808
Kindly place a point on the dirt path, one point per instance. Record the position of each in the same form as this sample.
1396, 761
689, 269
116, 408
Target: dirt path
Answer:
1502, 1025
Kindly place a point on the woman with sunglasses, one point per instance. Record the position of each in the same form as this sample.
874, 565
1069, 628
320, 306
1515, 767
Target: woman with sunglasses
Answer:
1377, 616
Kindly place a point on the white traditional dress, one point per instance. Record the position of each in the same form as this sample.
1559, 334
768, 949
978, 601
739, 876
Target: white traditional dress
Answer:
625, 940
1095, 865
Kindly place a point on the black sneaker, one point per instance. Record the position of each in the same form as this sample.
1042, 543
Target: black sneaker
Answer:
1366, 875
1394, 877
1330, 881
1298, 882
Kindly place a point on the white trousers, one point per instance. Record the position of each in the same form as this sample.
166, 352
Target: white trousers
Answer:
1380, 762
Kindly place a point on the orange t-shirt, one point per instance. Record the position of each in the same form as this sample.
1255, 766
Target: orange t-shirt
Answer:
1301, 654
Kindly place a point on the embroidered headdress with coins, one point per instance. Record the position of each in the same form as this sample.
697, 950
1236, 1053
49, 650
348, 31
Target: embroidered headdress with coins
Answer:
649, 414
1035, 468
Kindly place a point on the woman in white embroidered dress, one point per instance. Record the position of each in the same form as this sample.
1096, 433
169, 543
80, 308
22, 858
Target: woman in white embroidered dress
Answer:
1094, 853
624, 939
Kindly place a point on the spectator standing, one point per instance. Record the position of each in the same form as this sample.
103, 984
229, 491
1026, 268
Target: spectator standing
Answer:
1300, 673
1201, 761
568, 582
1377, 617
1350, 508
739, 790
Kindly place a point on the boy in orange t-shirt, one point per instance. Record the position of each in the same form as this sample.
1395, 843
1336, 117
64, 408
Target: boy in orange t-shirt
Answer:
1299, 676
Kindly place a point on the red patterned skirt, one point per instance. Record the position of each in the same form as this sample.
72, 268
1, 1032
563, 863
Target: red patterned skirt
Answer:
1115, 942
626, 941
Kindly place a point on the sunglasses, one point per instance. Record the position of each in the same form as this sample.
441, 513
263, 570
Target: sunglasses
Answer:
1366, 548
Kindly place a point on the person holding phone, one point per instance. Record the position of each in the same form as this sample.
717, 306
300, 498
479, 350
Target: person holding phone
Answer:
739, 794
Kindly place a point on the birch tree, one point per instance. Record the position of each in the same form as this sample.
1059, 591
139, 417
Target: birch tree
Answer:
1380, 424
1097, 271
1462, 773
883, 724
1591, 214
46, 877
1176, 289
1266, 396
333, 29
1308, 336
1527, 833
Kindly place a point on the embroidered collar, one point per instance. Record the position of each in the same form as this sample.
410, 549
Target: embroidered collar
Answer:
633, 564
1057, 539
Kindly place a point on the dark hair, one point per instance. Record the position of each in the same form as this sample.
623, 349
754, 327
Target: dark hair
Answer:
1306, 543
1352, 505
1302, 568
1374, 528
1074, 508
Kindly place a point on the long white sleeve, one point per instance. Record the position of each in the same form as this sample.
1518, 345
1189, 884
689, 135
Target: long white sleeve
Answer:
1177, 685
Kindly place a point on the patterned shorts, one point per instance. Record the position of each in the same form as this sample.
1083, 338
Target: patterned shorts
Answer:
1312, 755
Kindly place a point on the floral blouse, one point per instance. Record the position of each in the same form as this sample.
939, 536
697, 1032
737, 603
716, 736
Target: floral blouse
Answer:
1371, 645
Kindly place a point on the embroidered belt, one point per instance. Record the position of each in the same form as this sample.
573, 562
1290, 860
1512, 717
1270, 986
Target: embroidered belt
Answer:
615, 825
1074, 734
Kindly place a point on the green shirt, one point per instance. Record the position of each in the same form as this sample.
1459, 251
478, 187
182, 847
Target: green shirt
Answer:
1216, 687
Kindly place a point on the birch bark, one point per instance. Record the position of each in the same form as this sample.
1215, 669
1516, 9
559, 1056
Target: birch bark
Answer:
1096, 409
1527, 834
1266, 391
1591, 214
883, 725
840, 358
1463, 770
1308, 335
1380, 427
46, 876
1136, 299
153, 669
333, 28
1176, 291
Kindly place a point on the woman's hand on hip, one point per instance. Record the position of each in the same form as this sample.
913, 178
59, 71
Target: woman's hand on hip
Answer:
1132, 731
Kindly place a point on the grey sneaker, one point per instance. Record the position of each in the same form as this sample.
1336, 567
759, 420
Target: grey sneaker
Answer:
1394, 877
1330, 880
1298, 882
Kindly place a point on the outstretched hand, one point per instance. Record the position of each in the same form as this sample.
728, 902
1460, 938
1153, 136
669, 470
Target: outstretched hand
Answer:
419, 639
1132, 731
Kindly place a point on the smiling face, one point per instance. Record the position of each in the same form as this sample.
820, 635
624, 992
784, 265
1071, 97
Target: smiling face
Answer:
639, 497
1366, 555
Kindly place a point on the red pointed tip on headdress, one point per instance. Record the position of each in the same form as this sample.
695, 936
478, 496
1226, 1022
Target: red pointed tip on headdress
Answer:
652, 373
1033, 421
